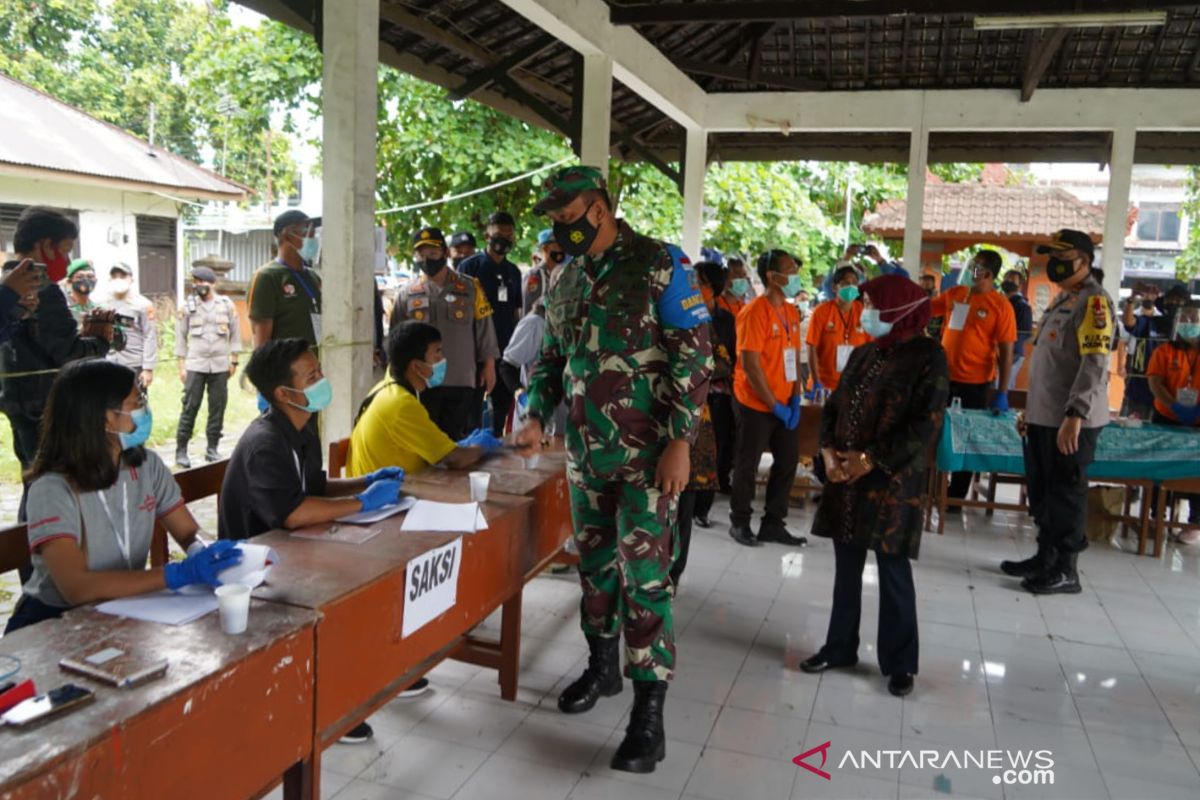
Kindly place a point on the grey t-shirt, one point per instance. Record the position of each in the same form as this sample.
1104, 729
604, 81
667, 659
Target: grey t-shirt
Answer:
141, 495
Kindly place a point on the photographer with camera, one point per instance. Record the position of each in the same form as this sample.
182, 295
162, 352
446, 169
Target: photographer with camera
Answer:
45, 336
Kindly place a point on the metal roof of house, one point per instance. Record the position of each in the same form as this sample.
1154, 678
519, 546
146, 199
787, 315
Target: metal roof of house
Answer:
984, 209
48, 138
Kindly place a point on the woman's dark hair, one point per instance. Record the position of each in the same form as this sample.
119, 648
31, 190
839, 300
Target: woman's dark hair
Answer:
842, 272
271, 365
406, 343
37, 223
713, 274
768, 261
74, 440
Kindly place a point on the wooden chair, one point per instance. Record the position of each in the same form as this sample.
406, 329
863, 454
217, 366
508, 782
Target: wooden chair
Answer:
194, 484
1016, 400
1169, 505
339, 457
14, 548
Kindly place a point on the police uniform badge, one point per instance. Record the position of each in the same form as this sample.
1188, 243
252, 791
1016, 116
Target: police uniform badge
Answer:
418, 315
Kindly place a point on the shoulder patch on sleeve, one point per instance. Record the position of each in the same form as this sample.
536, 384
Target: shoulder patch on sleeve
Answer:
1096, 327
681, 304
483, 308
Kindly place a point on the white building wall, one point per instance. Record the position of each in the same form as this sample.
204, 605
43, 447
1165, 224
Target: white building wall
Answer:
107, 217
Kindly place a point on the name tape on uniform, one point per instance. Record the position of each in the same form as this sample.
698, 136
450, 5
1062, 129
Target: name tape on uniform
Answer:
430, 586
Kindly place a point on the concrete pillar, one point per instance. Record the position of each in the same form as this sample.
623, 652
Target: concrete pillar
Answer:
1116, 209
597, 111
695, 163
351, 42
918, 159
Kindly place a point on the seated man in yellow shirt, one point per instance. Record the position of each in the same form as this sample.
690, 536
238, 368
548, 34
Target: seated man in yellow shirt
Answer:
393, 427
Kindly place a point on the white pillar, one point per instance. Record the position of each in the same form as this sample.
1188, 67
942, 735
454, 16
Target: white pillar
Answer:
695, 163
597, 111
918, 159
1116, 209
351, 40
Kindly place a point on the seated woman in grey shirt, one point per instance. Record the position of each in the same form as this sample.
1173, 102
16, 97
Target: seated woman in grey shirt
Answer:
95, 496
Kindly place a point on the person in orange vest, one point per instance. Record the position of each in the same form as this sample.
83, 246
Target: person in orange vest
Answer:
835, 330
1174, 378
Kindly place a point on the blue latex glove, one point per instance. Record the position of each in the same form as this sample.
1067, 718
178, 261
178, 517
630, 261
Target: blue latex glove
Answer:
1000, 402
481, 438
379, 494
817, 387
385, 473
782, 412
794, 420
203, 566
1185, 414
469, 441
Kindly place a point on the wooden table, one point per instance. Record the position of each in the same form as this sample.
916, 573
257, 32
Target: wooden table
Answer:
231, 717
362, 661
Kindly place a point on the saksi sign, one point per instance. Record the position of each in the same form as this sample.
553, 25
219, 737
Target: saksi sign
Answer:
430, 586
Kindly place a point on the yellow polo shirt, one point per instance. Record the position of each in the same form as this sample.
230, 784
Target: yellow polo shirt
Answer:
395, 431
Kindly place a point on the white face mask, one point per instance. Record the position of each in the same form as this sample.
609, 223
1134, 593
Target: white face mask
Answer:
120, 285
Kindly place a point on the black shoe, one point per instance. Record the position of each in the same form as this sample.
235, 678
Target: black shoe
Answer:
1038, 562
743, 535
211, 454
816, 664
359, 734
645, 743
416, 689
181, 457
778, 533
1062, 578
900, 684
601, 678
703, 522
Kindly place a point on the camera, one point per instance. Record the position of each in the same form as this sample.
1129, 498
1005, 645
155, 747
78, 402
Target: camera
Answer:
39, 268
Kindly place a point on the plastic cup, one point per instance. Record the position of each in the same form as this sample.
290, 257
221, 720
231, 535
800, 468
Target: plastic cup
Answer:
233, 604
479, 486
531, 462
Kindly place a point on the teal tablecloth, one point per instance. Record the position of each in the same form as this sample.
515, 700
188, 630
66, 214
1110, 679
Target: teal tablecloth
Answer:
977, 441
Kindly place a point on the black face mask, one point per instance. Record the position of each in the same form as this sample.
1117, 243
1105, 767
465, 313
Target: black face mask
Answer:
1059, 269
1147, 304
83, 286
557, 256
454, 262
1008, 287
576, 237
202, 290
499, 245
431, 266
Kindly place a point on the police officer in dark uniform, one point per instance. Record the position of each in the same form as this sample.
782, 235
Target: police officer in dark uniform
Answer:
1067, 406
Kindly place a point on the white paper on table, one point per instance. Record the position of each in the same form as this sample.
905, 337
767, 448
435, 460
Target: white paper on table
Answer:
367, 517
430, 586
257, 560
167, 607
427, 515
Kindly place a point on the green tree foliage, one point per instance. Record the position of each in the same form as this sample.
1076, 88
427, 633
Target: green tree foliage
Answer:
1187, 263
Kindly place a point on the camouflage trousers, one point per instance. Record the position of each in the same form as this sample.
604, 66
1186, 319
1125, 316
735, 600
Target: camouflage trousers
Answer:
623, 529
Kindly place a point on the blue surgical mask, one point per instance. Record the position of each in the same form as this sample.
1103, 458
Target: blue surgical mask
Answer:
848, 294
439, 375
792, 287
1189, 330
740, 287
143, 421
309, 249
873, 325
318, 396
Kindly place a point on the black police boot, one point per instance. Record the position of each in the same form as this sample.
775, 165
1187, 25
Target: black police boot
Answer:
601, 678
1062, 578
645, 743
743, 535
1040, 561
211, 454
778, 533
181, 456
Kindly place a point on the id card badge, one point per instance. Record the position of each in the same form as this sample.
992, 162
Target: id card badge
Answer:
843, 356
316, 325
502, 293
789, 365
958, 317
1186, 396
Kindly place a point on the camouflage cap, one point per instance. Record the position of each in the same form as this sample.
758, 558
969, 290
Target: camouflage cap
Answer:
564, 185
78, 264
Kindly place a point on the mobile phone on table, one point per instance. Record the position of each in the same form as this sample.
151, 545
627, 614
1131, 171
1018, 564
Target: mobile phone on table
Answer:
51, 704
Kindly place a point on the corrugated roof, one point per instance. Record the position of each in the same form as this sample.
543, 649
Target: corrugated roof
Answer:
43, 133
972, 209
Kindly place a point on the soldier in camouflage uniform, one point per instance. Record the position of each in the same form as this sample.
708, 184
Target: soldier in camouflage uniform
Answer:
627, 346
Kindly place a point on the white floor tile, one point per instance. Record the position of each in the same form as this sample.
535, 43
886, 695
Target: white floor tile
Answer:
425, 766
503, 778
721, 774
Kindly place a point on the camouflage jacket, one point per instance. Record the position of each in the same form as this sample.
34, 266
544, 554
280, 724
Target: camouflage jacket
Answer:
627, 346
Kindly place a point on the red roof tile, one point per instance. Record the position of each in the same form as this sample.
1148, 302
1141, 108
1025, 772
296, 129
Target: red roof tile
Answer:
974, 209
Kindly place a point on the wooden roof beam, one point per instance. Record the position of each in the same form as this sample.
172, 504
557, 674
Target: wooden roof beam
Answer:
486, 77
712, 70
657, 13
1039, 53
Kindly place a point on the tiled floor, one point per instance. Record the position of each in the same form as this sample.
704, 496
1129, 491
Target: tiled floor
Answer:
1108, 681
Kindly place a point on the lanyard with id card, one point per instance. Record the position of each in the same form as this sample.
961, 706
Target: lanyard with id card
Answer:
789, 352
958, 316
314, 315
1187, 395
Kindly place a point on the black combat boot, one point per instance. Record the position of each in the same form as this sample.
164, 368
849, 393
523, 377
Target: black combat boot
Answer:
602, 678
181, 456
211, 454
1062, 578
1040, 561
645, 744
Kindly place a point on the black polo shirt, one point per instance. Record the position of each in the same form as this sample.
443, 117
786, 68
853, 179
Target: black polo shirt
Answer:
491, 276
263, 483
